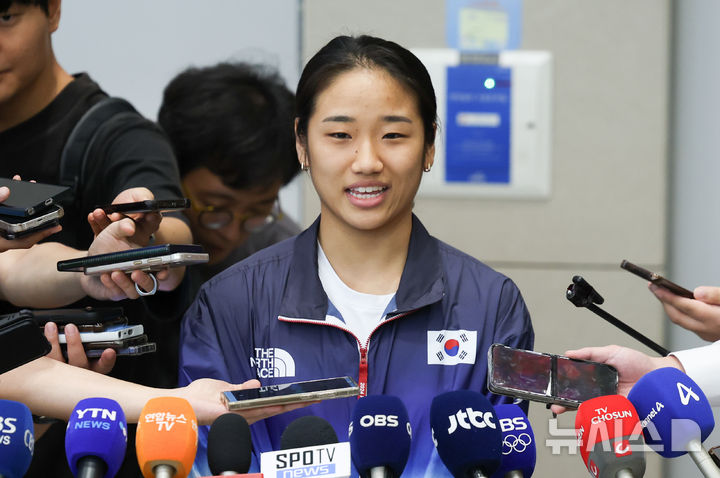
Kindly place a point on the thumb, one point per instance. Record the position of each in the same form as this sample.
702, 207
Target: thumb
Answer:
708, 294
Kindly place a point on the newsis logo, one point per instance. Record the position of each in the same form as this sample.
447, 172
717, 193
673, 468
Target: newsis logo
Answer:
469, 418
272, 363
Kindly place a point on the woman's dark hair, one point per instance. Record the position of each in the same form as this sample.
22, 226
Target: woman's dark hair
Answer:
345, 53
6, 4
235, 119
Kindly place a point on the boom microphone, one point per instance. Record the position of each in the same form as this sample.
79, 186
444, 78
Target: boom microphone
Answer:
380, 435
17, 441
518, 443
466, 433
608, 431
309, 447
676, 415
229, 446
166, 439
96, 438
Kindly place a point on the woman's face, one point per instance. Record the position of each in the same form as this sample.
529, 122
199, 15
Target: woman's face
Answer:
366, 150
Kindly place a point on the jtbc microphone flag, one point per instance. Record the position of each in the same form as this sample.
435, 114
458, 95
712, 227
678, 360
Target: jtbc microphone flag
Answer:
17, 440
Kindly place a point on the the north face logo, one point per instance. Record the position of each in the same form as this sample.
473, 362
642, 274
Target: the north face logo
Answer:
273, 362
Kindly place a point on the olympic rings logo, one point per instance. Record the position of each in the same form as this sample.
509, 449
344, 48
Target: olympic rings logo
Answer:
517, 444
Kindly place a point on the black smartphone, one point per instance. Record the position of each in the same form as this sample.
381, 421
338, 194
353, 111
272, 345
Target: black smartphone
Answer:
89, 319
27, 198
20, 340
80, 264
291, 393
131, 350
14, 227
147, 206
656, 279
547, 378
714, 453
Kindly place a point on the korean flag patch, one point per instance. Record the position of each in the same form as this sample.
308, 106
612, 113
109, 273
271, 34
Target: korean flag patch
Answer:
451, 347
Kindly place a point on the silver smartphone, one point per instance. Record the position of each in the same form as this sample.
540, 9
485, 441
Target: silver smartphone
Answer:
151, 264
294, 392
13, 227
112, 333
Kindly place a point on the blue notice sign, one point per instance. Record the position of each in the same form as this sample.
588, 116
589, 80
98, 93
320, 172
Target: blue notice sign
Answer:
478, 124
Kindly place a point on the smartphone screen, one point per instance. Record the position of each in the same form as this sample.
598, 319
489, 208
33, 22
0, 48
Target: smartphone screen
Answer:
548, 378
291, 392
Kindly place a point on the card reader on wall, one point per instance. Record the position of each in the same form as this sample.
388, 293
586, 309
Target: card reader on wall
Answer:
495, 114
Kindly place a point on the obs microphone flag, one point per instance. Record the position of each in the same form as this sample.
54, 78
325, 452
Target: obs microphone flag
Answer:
518, 442
17, 440
608, 431
466, 433
380, 436
96, 438
166, 439
676, 416
307, 452
229, 446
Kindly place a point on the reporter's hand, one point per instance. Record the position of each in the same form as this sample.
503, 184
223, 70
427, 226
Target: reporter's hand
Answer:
204, 396
700, 315
630, 364
29, 240
75, 351
146, 223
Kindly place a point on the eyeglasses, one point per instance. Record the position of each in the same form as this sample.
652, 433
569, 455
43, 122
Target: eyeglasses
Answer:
211, 217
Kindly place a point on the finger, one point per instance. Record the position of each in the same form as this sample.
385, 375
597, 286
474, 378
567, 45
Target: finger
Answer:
98, 221
115, 292
75, 350
667, 297
143, 280
596, 354
105, 363
30, 240
125, 284
162, 274
707, 294
4, 193
51, 334
558, 409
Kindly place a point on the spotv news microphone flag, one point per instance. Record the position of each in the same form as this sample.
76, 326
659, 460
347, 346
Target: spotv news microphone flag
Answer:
466, 433
327, 460
380, 435
518, 441
17, 440
96, 438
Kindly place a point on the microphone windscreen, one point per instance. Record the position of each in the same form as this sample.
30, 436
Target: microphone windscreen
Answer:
166, 435
229, 446
380, 434
97, 427
466, 432
673, 409
308, 430
16, 438
518, 441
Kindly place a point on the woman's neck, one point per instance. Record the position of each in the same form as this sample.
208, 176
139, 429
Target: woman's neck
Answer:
371, 262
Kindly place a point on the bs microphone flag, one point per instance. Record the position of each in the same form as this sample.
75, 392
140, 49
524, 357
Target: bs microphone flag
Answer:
380, 435
518, 442
608, 431
166, 439
96, 438
466, 433
17, 440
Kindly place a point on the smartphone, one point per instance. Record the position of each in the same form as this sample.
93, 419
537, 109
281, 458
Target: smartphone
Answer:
656, 279
111, 333
131, 350
81, 263
291, 393
88, 319
20, 340
14, 227
116, 344
147, 206
151, 264
27, 198
714, 453
547, 378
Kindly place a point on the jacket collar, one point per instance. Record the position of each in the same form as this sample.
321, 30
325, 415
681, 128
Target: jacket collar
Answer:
421, 283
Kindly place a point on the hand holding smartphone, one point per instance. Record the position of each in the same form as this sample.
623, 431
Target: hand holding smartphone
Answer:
148, 259
294, 392
149, 205
656, 279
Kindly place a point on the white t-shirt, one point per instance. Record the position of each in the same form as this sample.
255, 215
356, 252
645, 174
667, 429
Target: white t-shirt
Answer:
361, 313
701, 365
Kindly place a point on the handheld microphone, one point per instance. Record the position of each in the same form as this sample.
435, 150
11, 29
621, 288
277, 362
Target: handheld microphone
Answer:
518, 443
17, 440
677, 416
608, 431
308, 447
166, 439
229, 446
380, 435
466, 433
